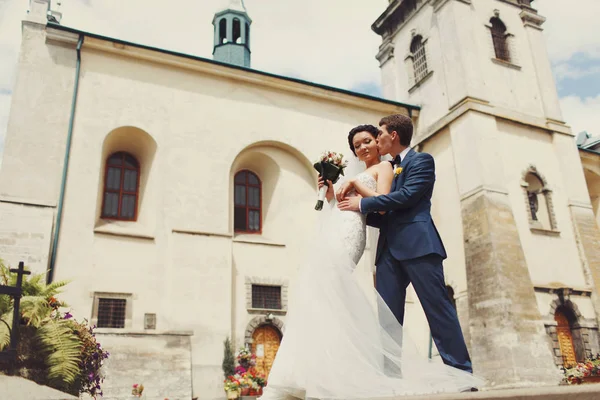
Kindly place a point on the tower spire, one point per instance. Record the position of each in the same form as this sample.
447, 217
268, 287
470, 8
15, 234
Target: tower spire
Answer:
232, 34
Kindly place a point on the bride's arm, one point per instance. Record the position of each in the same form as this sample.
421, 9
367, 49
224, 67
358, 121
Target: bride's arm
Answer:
385, 174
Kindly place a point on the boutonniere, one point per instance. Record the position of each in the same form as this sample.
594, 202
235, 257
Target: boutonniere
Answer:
397, 171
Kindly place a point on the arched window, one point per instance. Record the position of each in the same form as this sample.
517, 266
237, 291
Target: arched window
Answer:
247, 34
538, 200
121, 187
419, 56
223, 31
500, 39
247, 202
237, 31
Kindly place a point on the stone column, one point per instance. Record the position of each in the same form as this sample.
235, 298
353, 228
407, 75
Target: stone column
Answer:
509, 345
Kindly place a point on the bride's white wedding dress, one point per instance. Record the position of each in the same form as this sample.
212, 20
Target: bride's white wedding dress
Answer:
342, 342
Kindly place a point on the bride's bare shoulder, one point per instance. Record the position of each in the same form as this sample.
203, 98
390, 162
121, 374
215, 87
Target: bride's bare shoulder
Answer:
384, 165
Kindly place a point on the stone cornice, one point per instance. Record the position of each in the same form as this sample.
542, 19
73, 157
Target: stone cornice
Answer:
209, 67
396, 16
532, 19
386, 52
438, 4
483, 106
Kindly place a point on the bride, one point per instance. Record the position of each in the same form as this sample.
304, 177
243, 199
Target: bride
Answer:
341, 341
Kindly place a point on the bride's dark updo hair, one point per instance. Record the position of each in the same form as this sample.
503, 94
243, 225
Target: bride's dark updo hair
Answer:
373, 130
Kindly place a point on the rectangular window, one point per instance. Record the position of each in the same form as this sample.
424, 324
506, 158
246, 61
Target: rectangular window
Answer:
267, 297
112, 310
111, 313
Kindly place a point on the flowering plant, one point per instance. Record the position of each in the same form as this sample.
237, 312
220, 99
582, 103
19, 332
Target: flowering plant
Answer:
246, 376
55, 349
137, 390
245, 358
577, 373
330, 166
232, 384
92, 357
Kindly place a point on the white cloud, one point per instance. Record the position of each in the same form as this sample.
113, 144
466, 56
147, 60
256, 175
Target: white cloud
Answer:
328, 42
11, 12
582, 114
566, 70
571, 27
573, 45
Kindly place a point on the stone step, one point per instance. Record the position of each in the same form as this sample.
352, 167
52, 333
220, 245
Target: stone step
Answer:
17, 388
575, 392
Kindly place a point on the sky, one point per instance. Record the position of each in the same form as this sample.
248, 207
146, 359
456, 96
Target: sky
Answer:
328, 42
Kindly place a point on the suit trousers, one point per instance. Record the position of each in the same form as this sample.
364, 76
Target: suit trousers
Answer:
427, 277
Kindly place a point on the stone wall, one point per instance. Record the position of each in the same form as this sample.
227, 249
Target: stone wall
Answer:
25, 235
508, 342
161, 362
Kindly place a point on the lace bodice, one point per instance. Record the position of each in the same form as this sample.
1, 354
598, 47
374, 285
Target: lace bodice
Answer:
352, 225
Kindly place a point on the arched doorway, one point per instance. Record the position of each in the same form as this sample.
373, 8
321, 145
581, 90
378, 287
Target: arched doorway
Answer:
565, 339
265, 343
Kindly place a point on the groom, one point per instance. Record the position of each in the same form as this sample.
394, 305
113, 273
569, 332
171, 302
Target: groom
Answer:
410, 249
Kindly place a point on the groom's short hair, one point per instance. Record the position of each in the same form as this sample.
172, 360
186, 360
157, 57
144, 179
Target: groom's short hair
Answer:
401, 124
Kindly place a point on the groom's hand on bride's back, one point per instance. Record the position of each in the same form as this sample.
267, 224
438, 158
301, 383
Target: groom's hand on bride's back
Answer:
350, 203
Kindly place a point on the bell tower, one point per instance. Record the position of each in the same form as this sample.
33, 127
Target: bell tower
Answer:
490, 115
232, 35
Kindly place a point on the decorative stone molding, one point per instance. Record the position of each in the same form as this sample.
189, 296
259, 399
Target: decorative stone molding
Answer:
259, 321
61, 38
386, 52
438, 4
563, 300
255, 280
128, 297
532, 19
415, 81
396, 16
510, 38
584, 331
506, 64
547, 193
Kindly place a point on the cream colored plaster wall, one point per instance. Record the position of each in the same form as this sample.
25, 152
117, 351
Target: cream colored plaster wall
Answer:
34, 145
25, 235
459, 54
191, 133
550, 258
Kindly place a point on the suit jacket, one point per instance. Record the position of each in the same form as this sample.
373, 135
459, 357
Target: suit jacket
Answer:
407, 226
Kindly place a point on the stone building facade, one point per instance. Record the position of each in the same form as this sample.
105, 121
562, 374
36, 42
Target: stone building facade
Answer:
202, 233
513, 200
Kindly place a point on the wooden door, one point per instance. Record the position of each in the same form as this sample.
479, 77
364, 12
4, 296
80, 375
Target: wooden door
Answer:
565, 339
265, 343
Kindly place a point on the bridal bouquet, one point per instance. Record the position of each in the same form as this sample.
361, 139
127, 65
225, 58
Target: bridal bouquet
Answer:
330, 166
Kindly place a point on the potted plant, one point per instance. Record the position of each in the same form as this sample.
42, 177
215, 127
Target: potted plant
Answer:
232, 388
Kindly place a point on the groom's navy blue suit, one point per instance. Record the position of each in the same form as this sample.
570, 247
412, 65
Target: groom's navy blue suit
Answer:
410, 250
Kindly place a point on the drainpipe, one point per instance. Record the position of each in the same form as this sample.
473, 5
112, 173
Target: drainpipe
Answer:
63, 183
